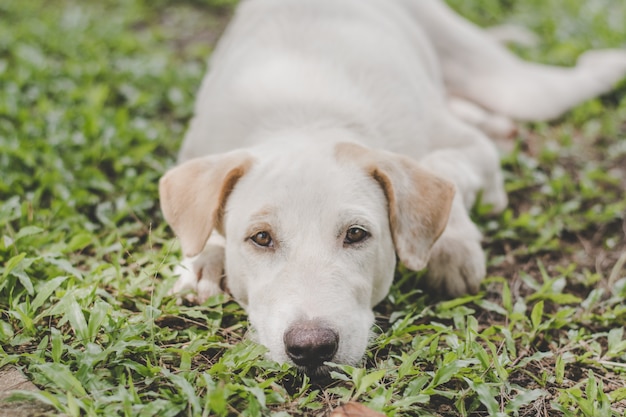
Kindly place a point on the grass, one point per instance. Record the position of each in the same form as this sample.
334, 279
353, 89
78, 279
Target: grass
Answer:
94, 99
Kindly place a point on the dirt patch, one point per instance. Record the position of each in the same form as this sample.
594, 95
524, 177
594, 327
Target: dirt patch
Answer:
12, 380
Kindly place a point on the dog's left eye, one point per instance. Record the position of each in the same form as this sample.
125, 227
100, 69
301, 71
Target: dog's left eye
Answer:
355, 235
263, 239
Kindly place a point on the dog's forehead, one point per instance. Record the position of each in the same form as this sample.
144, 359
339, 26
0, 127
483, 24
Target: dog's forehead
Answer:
315, 173
312, 183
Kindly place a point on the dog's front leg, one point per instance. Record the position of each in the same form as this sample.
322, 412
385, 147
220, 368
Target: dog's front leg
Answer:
201, 277
468, 159
457, 262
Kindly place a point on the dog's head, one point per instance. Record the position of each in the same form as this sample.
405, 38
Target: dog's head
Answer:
311, 237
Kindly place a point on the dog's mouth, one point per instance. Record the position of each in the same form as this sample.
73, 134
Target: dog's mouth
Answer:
319, 375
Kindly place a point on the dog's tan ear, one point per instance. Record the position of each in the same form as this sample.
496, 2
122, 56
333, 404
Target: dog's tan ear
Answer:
194, 193
419, 201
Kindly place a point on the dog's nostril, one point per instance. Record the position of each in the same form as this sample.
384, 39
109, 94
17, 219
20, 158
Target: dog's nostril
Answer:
310, 344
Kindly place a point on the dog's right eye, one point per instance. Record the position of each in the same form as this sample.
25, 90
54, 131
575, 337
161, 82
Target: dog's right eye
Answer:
355, 235
263, 239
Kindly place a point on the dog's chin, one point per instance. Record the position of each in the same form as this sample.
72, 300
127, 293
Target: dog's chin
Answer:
319, 375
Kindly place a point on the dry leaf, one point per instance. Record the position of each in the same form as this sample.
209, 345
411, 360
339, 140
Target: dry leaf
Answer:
353, 409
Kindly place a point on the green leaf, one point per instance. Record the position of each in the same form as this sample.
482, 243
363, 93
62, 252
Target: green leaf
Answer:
537, 315
447, 370
56, 340
28, 231
187, 389
618, 395
507, 300
24, 280
44, 291
97, 315
79, 242
74, 314
36, 396
59, 375
487, 396
12, 264
559, 369
591, 390
524, 398
367, 380
616, 342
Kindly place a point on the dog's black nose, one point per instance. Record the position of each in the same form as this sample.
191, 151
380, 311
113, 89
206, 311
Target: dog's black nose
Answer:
310, 344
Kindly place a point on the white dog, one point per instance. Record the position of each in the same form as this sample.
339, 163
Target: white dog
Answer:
331, 136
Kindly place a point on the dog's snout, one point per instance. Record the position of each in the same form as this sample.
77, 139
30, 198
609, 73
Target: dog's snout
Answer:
310, 343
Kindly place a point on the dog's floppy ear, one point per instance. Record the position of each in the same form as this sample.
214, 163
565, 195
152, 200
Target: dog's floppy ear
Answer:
419, 201
194, 193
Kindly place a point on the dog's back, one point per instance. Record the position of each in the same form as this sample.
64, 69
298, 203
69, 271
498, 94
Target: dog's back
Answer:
302, 61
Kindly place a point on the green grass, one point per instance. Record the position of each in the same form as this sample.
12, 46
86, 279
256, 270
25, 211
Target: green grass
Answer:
94, 99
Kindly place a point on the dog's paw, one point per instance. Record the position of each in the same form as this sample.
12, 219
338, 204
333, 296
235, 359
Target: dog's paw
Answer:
457, 262
494, 193
200, 277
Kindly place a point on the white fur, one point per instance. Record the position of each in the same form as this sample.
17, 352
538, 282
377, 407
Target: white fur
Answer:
293, 78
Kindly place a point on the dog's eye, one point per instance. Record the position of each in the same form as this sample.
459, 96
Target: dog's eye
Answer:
355, 235
262, 239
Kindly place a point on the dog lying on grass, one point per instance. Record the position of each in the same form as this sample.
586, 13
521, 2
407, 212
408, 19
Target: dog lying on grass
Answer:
332, 137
